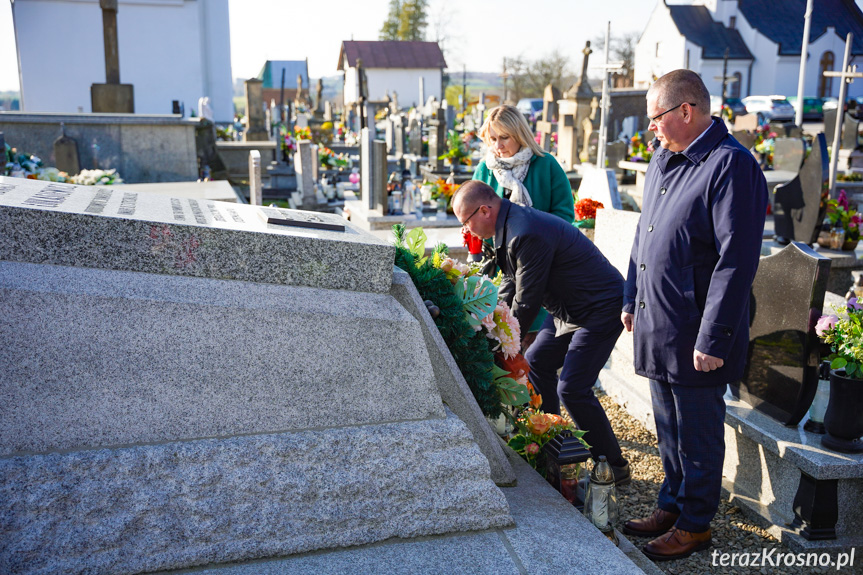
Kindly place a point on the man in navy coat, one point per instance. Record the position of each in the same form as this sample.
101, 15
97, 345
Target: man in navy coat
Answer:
686, 299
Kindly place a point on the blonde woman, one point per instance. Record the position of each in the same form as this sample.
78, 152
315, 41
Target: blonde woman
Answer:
518, 169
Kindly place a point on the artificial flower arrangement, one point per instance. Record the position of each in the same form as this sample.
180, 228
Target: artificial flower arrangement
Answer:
330, 160
484, 339
457, 150
764, 140
96, 178
843, 332
441, 189
838, 211
302, 133
585, 213
23, 165
639, 149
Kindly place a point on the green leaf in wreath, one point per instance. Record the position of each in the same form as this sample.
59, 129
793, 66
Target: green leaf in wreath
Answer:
477, 303
838, 363
416, 244
512, 392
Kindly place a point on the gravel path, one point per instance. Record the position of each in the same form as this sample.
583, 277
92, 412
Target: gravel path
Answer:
732, 531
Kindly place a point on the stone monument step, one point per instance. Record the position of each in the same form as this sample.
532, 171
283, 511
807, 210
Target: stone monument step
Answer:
549, 536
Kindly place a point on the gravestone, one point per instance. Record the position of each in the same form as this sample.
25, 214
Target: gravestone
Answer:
746, 122
746, 138
373, 173
437, 144
328, 111
797, 211
567, 134
781, 374
415, 141
600, 185
545, 127
389, 135
255, 188
151, 423
399, 135
850, 128
305, 159
794, 131
447, 113
66, 158
591, 141
256, 129
788, 154
614, 153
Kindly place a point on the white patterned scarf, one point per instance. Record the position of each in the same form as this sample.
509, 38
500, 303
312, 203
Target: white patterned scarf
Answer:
510, 173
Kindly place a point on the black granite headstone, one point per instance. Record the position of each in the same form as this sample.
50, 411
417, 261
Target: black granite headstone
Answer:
797, 209
788, 154
781, 374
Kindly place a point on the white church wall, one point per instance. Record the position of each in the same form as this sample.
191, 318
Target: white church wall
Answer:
169, 50
660, 49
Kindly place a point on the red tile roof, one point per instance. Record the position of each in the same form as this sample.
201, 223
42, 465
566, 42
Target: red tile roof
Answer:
391, 54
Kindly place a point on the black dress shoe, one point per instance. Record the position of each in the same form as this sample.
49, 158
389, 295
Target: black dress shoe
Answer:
621, 474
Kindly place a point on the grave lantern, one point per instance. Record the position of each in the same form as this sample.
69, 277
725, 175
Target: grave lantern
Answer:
564, 455
600, 502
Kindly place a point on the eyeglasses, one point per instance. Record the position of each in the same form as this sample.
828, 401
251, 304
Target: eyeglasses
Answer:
464, 223
655, 119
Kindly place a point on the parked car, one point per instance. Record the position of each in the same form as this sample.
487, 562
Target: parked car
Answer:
769, 108
531, 108
811, 108
736, 105
829, 103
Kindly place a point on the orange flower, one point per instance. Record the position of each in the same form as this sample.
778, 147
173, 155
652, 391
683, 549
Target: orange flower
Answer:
539, 423
535, 399
517, 366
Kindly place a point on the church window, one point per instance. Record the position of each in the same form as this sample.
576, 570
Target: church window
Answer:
825, 85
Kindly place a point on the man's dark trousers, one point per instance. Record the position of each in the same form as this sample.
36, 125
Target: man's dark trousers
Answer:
582, 354
690, 429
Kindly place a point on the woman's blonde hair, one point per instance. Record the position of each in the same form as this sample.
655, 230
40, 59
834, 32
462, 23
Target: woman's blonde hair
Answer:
509, 121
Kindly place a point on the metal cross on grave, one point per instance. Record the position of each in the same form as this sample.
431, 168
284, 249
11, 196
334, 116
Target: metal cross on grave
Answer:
606, 101
847, 75
725, 79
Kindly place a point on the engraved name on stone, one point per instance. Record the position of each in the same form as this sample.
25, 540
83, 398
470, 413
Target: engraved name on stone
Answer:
127, 204
197, 212
6, 188
99, 201
217, 215
50, 196
236, 216
177, 209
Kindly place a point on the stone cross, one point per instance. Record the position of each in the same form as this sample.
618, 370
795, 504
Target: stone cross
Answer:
112, 52
847, 75
606, 101
112, 96
545, 127
255, 188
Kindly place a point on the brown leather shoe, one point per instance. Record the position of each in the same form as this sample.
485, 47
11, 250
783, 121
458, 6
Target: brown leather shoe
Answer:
677, 544
659, 522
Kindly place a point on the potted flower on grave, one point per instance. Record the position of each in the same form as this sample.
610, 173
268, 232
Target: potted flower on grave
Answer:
841, 215
457, 153
585, 215
843, 420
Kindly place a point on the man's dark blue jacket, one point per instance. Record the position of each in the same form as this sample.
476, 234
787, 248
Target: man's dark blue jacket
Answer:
547, 262
694, 258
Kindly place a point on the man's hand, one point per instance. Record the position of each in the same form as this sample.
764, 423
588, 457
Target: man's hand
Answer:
626, 318
704, 362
